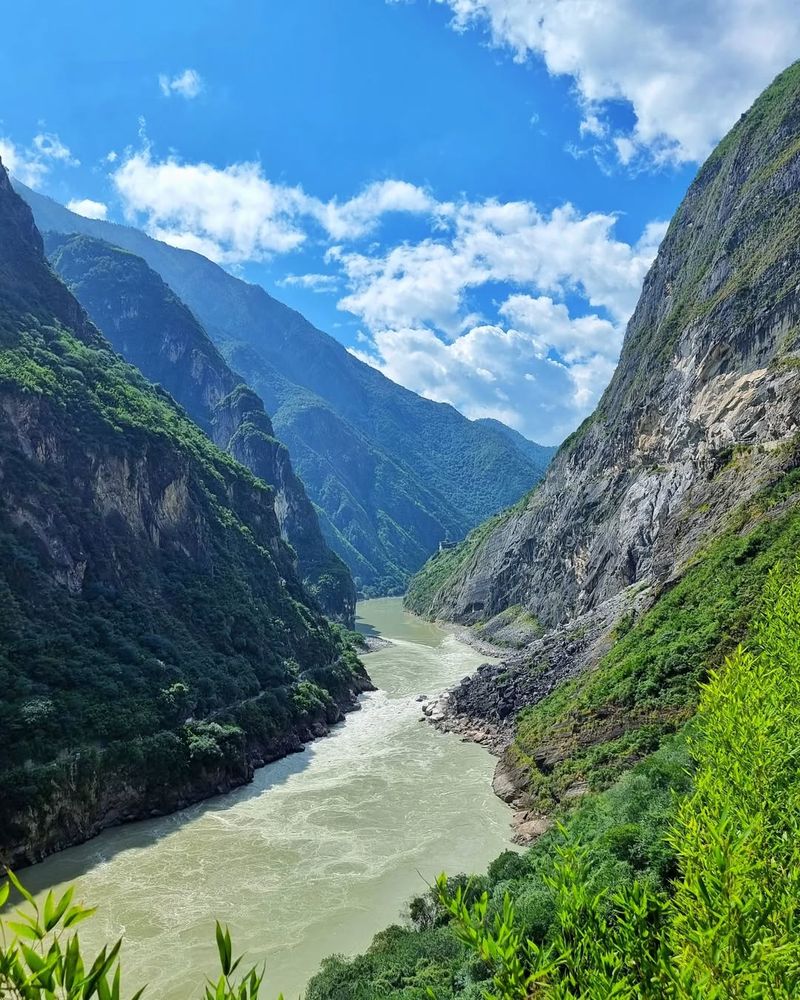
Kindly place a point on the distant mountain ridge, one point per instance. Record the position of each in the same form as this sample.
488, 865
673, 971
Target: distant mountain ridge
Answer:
150, 327
391, 473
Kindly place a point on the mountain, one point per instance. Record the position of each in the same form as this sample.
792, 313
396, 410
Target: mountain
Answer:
152, 329
665, 533
638, 561
155, 643
391, 473
539, 454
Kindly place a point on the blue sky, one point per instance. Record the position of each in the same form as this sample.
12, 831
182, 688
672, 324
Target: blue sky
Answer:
467, 193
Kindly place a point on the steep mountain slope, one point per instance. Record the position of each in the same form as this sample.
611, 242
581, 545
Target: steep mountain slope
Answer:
155, 641
643, 553
704, 395
151, 328
392, 472
665, 533
538, 453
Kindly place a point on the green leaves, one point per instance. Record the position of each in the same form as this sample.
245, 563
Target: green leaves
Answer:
41, 956
732, 927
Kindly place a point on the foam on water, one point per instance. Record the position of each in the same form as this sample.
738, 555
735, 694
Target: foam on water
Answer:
322, 850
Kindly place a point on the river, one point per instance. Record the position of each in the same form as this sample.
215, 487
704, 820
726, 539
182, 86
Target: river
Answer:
322, 850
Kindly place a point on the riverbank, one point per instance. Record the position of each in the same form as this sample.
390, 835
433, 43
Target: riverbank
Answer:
319, 852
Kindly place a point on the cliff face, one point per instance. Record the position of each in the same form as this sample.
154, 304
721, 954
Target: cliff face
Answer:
150, 327
640, 560
692, 424
391, 473
155, 641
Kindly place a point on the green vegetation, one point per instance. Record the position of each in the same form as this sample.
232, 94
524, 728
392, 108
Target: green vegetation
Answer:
392, 473
594, 727
443, 566
41, 957
153, 330
623, 729
155, 641
728, 926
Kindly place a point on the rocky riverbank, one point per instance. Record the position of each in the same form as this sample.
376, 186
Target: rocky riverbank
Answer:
482, 708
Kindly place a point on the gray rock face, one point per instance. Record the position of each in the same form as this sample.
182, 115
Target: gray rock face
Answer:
705, 396
154, 330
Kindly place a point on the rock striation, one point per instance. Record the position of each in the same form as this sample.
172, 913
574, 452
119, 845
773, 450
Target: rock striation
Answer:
153, 330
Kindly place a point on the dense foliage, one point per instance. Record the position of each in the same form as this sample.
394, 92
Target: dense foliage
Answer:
154, 638
729, 925
637, 706
152, 329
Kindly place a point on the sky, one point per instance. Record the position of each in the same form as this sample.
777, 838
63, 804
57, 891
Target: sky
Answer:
466, 193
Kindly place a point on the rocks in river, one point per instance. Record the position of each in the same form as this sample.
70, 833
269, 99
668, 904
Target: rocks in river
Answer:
528, 826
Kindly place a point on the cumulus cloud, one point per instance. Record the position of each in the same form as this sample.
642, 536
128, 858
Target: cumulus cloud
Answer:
31, 164
536, 365
490, 371
50, 147
187, 84
235, 213
88, 208
500, 308
426, 283
694, 68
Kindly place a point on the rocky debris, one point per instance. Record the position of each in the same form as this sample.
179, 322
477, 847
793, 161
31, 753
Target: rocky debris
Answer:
529, 826
376, 642
482, 707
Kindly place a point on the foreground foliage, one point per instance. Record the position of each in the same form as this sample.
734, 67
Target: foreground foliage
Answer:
41, 956
730, 928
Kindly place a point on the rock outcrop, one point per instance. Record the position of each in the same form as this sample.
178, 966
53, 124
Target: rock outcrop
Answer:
705, 394
695, 437
150, 327
391, 473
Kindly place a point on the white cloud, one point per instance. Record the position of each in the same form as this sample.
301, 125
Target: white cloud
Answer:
22, 164
690, 71
500, 308
426, 283
313, 282
236, 213
231, 214
88, 208
187, 84
491, 371
31, 164
50, 147
536, 366
358, 216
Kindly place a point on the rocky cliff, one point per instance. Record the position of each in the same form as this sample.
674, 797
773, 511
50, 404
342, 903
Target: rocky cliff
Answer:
691, 425
150, 327
156, 642
638, 561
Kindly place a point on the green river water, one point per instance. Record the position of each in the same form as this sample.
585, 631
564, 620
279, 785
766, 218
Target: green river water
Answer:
322, 850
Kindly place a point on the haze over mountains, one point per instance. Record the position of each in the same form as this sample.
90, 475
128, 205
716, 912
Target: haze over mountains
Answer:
392, 474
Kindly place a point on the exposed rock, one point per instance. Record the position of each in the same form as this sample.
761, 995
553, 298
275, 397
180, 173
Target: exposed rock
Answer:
154, 330
702, 414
